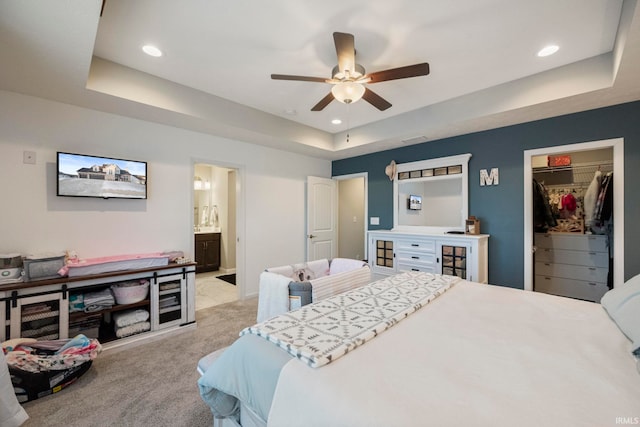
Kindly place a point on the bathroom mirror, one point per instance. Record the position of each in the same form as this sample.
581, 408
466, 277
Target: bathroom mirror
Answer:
441, 186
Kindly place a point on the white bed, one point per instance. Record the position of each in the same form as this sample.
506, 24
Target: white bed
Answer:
476, 355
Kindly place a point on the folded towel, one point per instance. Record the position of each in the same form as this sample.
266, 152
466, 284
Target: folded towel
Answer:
76, 302
168, 301
97, 307
104, 297
133, 329
130, 317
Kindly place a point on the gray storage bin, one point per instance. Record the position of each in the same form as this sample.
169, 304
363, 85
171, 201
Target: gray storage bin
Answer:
42, 268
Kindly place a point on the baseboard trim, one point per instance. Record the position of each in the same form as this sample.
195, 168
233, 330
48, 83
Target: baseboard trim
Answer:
145, 337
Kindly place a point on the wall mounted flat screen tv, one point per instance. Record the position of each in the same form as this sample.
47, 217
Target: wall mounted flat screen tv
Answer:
414, 203
81, 175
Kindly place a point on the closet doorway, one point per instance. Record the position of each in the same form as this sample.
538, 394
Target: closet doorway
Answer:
215, 222
574, 178
352, 216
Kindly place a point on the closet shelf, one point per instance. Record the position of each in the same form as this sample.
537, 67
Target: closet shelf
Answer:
606, 166
579, 174
73, 316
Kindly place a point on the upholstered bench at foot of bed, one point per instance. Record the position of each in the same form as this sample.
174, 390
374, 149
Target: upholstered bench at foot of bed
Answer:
208, 360
248, 418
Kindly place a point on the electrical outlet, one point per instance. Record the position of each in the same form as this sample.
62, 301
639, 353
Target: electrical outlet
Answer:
29, 157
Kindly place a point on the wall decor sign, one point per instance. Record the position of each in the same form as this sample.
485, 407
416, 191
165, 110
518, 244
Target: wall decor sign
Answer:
472, 225
489, 178
559, 160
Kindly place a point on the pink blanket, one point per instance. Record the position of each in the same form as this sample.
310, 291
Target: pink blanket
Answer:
115, 262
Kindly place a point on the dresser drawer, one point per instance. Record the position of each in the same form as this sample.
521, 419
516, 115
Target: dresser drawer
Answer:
417, 259
590, 291
560, 256
574, 242
416, 267
576, 272
427, 245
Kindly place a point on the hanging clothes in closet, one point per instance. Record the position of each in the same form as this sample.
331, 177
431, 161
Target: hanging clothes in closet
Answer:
591, 198
543, 217
604, 204
574, 257
598, 212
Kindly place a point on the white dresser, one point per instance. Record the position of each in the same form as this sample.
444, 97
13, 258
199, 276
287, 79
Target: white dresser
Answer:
572, 265
461, 255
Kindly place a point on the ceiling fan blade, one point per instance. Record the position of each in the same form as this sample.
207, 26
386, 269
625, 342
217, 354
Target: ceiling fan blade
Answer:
376, 100
300, 78
346, 51
399, 73
323, 102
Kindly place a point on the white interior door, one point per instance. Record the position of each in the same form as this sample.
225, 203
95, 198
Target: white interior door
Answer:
322, 215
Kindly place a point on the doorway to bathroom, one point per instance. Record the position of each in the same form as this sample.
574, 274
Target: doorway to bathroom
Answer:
215, 213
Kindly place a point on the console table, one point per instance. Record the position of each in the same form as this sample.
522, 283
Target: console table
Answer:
170, 303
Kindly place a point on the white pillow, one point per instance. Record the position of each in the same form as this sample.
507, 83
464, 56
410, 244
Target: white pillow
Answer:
623, 306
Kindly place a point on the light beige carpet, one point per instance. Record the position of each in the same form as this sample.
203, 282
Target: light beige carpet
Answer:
153, 384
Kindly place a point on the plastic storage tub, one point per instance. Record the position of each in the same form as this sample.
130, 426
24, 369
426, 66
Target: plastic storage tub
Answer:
130, 292
42, 267
10, 268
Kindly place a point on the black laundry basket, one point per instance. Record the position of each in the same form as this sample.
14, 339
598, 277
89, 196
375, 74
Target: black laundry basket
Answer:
33, 385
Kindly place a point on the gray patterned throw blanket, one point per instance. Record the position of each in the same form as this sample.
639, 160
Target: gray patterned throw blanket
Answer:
321, 332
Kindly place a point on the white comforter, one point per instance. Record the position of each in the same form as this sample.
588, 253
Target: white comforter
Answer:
480, 355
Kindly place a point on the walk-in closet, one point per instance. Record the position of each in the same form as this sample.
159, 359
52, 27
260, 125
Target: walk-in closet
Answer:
573, 223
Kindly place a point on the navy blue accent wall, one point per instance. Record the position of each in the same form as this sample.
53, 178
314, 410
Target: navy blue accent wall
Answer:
501, 208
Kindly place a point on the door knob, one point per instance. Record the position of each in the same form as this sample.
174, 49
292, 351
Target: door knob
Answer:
311, 236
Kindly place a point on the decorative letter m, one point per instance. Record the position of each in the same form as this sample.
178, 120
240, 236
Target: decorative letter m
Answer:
489, 179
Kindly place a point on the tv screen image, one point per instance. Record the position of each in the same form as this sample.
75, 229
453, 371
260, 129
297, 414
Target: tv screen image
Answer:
415, 203
81, 175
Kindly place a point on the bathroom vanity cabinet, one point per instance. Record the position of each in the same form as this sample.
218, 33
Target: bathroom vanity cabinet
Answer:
207, 252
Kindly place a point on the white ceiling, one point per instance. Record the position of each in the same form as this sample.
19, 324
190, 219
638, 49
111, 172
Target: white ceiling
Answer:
214, 76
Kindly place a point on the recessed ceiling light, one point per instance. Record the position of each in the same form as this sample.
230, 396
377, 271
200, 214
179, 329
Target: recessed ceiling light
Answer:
151, 50
336, 121
548, 50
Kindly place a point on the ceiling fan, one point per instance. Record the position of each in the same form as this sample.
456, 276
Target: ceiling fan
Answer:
348, 78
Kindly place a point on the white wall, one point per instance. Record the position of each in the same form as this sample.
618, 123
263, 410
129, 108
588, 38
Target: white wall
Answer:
35, 220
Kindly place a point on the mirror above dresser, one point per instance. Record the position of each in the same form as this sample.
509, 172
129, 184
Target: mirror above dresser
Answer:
431, 196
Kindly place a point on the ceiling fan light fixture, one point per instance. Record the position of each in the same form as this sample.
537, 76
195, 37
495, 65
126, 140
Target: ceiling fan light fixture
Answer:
347, 92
